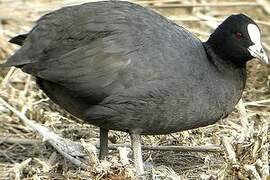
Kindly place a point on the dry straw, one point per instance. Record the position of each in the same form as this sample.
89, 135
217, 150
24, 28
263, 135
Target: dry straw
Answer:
234, 148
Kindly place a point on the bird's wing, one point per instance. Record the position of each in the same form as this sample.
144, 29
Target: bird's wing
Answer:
86, 49
98, 49
86, 71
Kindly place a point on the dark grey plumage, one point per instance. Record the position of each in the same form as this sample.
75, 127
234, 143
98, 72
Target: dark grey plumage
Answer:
124, 67
128, 68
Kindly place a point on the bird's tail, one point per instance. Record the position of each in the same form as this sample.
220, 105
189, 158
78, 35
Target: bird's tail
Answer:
11, 61
18, 39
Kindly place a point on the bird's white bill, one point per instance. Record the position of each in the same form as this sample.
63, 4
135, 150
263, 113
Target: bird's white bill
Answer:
256, 50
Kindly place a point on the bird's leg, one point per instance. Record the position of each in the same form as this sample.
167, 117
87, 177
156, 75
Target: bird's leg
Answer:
103, 138
137, 152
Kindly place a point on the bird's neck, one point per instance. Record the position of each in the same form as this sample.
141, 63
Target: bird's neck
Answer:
230, 78
221, 60
225, 68
219, 45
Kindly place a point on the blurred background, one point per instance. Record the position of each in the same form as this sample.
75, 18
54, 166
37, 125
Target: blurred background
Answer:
243, 136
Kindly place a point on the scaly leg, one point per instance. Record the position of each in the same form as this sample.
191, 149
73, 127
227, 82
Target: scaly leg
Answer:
103, 138
137, 152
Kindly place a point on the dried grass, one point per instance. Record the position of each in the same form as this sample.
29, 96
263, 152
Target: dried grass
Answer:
243, 136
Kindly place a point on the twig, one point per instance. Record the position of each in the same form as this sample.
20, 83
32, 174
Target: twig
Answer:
165, 173
183, 18
209, 20
205, 148
40, 101
265, 161
22, 141
200, 33
265, 23
256, 147
265, 5
26, 87
91, 152
198, 19
18, 127
229, 150
18, 168
257, 103
7, 77
266, 46
67, 148
216, 5
46, 167
53, 158
265, 149
158, 1
234, 126
73, 150
123, 152
247, 128
252, 172
6, 156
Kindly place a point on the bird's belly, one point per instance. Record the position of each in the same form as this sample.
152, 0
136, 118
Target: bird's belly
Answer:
162, 125
184, 109
179, 121
162, 119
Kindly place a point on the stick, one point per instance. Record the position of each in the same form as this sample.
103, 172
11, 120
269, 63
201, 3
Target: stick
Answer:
209, 20
72, 150
6, 156
265, 149
252, 172
197, 19
257, 103
158, 1
229, 150
205, 148
217, 5
265, 5
18, 168
7, 77
67, 148
265, 161
247, 128
22, 141
266, 46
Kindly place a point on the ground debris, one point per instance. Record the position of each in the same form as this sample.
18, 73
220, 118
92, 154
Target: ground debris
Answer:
243, 136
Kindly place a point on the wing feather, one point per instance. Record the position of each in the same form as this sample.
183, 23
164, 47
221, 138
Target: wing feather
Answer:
99, 49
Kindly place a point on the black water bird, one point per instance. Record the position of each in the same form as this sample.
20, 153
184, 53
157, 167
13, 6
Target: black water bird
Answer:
121, 66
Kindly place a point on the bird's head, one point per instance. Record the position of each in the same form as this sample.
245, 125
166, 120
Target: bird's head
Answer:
238, 39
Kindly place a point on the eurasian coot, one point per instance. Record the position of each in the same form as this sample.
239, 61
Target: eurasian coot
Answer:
124, 67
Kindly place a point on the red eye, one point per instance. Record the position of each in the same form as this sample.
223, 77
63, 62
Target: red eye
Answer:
238, 35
